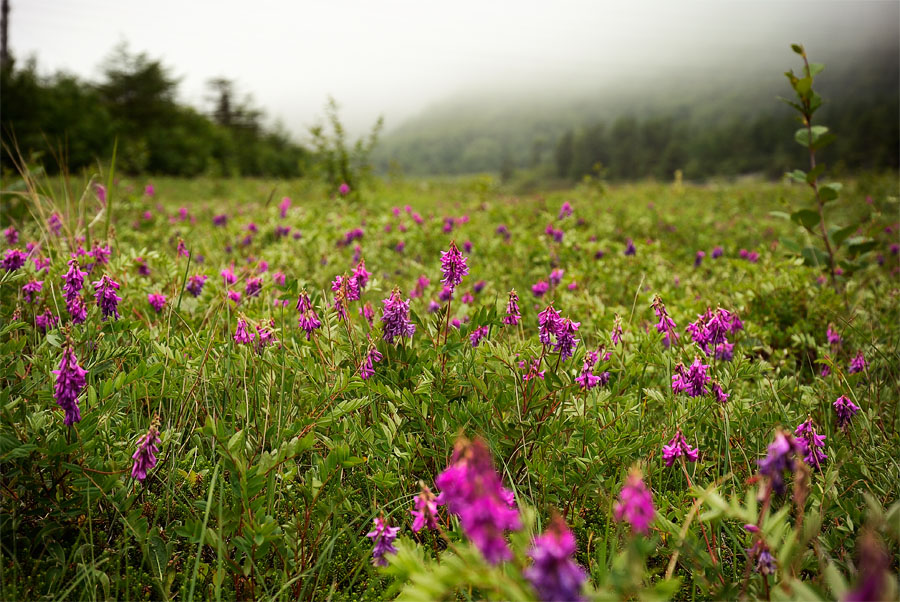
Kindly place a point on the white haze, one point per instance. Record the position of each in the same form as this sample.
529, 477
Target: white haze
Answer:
396, 58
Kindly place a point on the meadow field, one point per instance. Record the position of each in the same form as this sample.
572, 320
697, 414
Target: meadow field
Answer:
250, 389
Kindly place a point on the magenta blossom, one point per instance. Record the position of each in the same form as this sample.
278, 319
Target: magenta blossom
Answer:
70, 380
425, 512
145, 455
383, 535
555, 575
512, 316
677, 447
157, 301
845, 410
107, 299
635, 503
395, 317
367, 368
453, 267
478, 334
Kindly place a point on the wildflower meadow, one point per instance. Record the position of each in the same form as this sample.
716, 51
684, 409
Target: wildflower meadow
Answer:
439, 389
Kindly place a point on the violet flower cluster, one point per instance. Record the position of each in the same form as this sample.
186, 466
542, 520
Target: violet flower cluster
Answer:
367, 368
383, 535
512, 316
453, 267
195, 284
691, 380
395, 317
308, 320
157, 301
665, 325
553, 326
13, 259
145, 455
711, 330
478, 334
678, 447
107, 299
845, 410
811, 444
635, 504
70, 380
472, 490
555, 575
73, 282
781, 457
424, 512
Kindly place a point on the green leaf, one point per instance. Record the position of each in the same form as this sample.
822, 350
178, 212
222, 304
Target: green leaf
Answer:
815, 69
829, 192
780, 214
790, 244
798, 175
824, 140
814, 173
806, 218
839, 235
814, 256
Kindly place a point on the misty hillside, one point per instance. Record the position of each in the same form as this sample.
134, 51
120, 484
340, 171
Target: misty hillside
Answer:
698, 114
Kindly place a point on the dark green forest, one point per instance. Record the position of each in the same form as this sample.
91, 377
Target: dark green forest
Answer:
62, 120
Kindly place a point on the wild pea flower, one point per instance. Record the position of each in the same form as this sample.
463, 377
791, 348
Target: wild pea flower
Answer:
556, 277
721, 395
425, 510
149, 190
157, 301
395, 317
308, 319
874, 579
810, 443
383, 535
12, 236
242, 334
73, 280
70, 380
101, 254
598, 254
467, 298
344, 189
503, 231
635, 504
107, 299
479, 286
717, 252
616, 334
549, 323
195, 284
46, 320
13, 259
31, 289
540, 288
532, 371
764, 562
629, 247
472, 489
220, 220
448, 225
711, 329
691, 380
845, 410
478, 334
254, 286
433, 306
453, 267
182, 249
834, 339
666, 324
228, 276
421, 284
565, 210
54, 223
698, 258
145, 455
367, 368
725, 352
781, 457
512, 316
445, 294
266, 332
858, 363
283, 207
350, 286
677, 447
282, 231
367, 312
41, 264
467, 247
143, 268
361, 275
587, 379
555, 575
279, 278
565, 338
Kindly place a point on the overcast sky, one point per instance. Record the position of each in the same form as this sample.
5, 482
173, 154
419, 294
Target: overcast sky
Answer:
394, 58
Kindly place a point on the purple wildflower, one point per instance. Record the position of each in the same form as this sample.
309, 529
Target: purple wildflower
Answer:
810, 443
425, 510
711, 329
70, 380
157, 301
780, 458
13, 259
556, 277
242, 334
421, 284
478, 334
54, 223
539, 288
834, 339
149, 190
565, 338
228, 276
845, 410
195, 284
721, 395
453, 267
555, 575
283, 207
512, 316
629, 247
254, 286
565, 210
503, 231
858, 363
666, 324
367, 312
549, 323
467, 298
308, 319
41, 264
344, 189
616, 334
32, 288
107, 299
220, 220
361, 275
367, 368
471, 489
395, 317
677, 447
433, 306
46, 320
717, 252
725, 352
145, 455
445, 294
383, 535
635, 503
533, 370
874, 580
691, 380
479, 286
467, 247
266, 332
587, 379
12, 236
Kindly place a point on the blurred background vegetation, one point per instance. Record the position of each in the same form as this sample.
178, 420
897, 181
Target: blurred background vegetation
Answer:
722, 122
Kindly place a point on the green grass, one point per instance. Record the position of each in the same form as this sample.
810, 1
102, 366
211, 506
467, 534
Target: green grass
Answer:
274, 464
